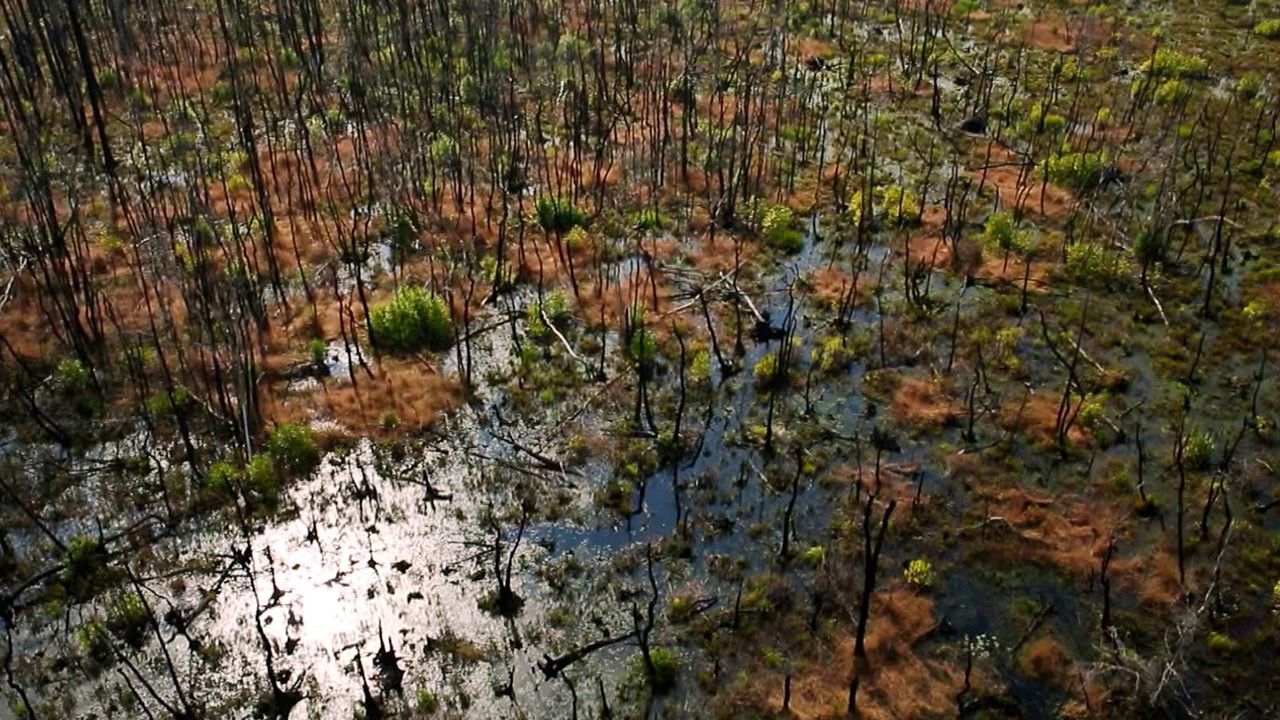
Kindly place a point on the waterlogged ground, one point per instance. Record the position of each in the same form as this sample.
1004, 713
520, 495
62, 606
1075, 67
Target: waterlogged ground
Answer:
1033, 566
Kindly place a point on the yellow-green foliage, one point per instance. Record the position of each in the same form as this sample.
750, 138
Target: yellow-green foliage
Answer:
1269, 29
1001, 231
778, 227
413, 319
899, 206
1168, 62
919, 573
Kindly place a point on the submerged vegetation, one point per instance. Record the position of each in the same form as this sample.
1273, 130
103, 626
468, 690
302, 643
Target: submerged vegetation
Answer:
706, 359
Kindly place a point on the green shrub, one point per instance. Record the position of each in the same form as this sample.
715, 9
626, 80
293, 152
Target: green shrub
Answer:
649, 219
72, 375
1198, 450
166, 403
899, 206
919, 573
261, 473
778, 227
833, 354
1078, 170
642, 347
427, 703
1269, 29
293, 448
1172, 91
1091, 264
1168, 62
413, 319
83, 562
223, 476
1001, 232
558, 215
127, 618
94, 641
766, 369
316, 350
665, 666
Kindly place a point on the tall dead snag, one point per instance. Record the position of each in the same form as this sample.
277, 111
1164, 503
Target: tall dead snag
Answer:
871, 554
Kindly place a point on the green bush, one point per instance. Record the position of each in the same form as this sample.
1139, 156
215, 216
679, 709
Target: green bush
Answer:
316, 350
293, 448
1269, 29
73, 376
1198, 450
665, 666
919, 573
1091, 264
899, 206
1078, 170
94, 641
766, 369
165, 403
1170, 63
1001, 232
127, 618
558, 215
778, 227
261, 473
83, 562
222, 476
413, 319
642, 347
649, 219
1172, 91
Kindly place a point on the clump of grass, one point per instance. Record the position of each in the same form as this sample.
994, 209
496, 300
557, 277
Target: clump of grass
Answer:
413, 319
1269, 29
1167, 62
1090, 264
919, 573
778, 227
648, 219
661, 676
94, 641
1078, 170
1198, 450
1171, 91
558, 215
293, 448
85, 560
1001, 231
168, 403
127, 619
766, 369
899, 206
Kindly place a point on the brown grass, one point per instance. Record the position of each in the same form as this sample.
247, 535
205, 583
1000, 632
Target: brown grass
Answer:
1037, 418
1068, 533
1017, 188
924, 404
413, 390
900, 680
1045, 658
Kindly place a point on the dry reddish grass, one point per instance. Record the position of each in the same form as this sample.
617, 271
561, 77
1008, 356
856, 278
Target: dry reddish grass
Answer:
994, 269
830, 284
1045, 658
1037, 418
1001, 169
923, 404
899, 682
714, 255
1153, 577
1068, 533
411, 389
